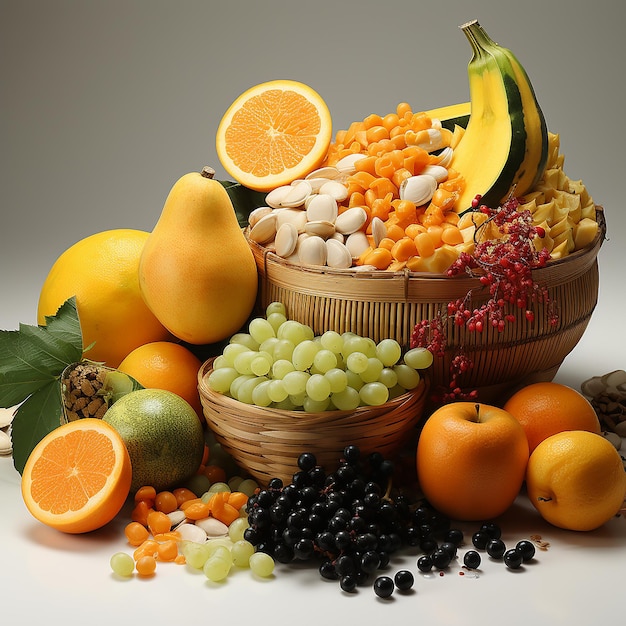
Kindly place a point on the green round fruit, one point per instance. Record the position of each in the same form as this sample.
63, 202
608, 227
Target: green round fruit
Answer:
163, 434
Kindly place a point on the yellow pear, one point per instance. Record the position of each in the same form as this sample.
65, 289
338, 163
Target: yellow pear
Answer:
197, 272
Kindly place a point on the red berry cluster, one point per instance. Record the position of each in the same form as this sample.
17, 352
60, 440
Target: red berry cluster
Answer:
503, 262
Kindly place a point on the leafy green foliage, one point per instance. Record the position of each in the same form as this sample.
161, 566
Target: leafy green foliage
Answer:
32, 359
244, 200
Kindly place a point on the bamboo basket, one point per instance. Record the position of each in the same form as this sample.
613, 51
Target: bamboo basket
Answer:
382, 305
267, 442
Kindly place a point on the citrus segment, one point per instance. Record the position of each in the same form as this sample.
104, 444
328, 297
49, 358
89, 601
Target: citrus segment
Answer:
274, 133
547, 408
166, 365
576, 480
102, 271
77, 477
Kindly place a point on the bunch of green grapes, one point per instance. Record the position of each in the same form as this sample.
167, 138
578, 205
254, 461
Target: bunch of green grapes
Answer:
281, 363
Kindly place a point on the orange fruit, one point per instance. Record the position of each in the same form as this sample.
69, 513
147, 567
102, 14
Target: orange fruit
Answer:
166, 365
471, 460
102, 271
77, 477
274, 133
547, 408
576, 480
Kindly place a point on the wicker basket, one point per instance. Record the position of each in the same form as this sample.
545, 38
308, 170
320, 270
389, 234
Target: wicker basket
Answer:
388, 304
267, 442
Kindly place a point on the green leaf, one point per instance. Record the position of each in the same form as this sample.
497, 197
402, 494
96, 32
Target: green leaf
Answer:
39, 415
33, 356
244, 200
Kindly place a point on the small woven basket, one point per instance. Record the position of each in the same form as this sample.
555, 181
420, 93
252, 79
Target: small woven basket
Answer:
382, 305
267, 442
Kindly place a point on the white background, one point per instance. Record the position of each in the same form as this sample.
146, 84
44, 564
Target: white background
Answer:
104, 104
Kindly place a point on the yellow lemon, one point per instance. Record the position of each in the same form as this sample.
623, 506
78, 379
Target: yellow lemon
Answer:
576, 480
102, 271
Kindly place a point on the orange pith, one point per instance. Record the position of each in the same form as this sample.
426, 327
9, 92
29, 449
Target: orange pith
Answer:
78, 477
274, 133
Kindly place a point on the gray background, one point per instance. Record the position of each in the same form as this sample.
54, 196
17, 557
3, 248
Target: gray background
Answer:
104, 104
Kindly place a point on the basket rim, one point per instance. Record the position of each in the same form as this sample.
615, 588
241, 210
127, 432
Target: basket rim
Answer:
267, 254
410, 397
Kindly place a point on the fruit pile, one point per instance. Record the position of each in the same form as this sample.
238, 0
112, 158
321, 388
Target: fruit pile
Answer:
474, 187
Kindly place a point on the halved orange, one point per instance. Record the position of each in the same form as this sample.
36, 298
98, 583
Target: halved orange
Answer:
274, 133
77, 477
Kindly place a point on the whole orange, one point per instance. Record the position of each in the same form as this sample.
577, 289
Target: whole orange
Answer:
471, 460
547, 408
166, 365
102, 271
576, 480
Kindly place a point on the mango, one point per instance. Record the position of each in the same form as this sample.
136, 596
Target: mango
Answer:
197, 273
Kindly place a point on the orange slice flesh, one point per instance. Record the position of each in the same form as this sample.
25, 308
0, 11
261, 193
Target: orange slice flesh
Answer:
77, 477
274, 133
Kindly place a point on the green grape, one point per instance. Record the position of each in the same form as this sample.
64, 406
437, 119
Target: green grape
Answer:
388, 377
260, 395
346, 400
369, 347
242, 551
337, 378
219, 361
276, 391
237, 383
315, 406
268, 345
324, 360
351, 343
419, 358
276, 320
275, 307
260, 329
234, 482
293, 331
218, 487
231, 350
373, 370
304, 354
216, 569
283, 349
407, 376
243, 361
261, 364
195, 553
295, 382
317, 387
297, 399
248, 486
245, 339
357, 362
374, 394
389, 352
220, 547
354, 380
285, 405
236, 529
222, 378
280, 367
122, 564
245, 390
262, 564
332, 340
